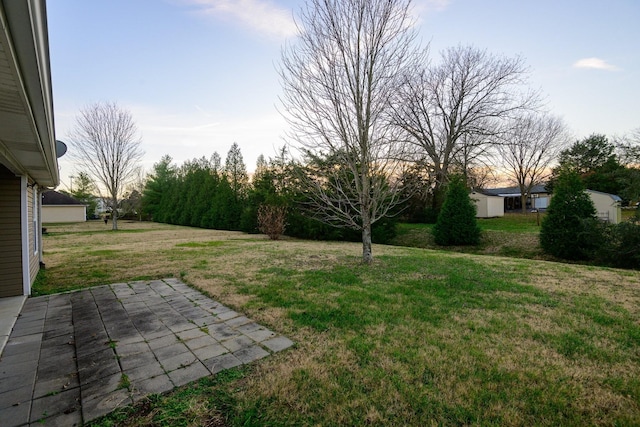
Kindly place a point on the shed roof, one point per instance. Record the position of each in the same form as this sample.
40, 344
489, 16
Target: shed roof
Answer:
613, 196
53, 198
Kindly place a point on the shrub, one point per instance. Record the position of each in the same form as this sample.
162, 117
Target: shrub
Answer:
457, 223
272, 220
571, 230
622, 248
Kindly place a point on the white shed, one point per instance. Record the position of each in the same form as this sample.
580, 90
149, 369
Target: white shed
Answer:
58, 207
607, 206
488, 206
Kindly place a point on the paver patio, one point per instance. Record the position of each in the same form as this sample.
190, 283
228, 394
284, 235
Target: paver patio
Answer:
70, 356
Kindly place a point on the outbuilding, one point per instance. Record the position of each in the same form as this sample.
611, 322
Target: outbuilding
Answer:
59, 207
488, 206
607, 206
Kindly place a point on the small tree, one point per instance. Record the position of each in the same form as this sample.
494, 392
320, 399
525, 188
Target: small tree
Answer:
570, 230
272, 220
457, 223
106, 143
85, 192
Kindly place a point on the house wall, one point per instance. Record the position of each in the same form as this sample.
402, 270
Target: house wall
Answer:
11, 273
64, 213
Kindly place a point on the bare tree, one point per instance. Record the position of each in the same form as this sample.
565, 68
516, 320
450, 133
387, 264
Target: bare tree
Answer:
106, 143
339, 78
529, 148
453, 111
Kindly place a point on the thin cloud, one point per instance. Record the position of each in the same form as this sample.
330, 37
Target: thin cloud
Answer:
262, 16
595, 63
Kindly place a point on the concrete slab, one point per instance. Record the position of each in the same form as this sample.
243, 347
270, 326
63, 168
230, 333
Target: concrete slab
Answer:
73, 357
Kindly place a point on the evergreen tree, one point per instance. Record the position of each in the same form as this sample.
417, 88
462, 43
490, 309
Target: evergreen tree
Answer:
84, 192
570, 229
155, 194
457, 223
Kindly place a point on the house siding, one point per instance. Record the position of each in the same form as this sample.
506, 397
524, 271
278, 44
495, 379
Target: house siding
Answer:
34, 256
11, 279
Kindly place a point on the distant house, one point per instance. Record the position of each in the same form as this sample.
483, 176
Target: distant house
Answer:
28, 149
487, 206
538, 197
58, 207
607, 206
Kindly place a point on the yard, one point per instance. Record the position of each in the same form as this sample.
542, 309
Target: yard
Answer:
421, 337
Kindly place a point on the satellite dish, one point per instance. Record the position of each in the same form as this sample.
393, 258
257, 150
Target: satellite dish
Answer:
61, 148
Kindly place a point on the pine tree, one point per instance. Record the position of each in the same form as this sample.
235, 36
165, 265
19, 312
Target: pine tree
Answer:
457, 223
570, 229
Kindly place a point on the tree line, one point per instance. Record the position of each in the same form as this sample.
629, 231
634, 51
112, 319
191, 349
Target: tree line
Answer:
381, 127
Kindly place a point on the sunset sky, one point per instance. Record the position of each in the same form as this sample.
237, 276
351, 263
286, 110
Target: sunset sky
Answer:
198, 75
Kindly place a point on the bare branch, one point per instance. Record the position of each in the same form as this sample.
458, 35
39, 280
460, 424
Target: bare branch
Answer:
339, 82
106, 143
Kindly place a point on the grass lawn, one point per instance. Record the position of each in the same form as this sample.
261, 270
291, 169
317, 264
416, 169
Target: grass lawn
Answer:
421, 337
514, 235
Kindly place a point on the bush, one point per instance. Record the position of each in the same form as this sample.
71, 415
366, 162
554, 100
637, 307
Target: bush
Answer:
272, 220
571, 230
622, 248
457, 223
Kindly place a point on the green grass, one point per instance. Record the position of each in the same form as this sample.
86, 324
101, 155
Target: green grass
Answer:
421, 337
514, 235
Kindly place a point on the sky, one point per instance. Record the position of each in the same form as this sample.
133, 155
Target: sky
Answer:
199, 75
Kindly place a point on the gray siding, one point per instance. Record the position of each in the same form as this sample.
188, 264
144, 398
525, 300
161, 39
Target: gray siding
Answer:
10, 235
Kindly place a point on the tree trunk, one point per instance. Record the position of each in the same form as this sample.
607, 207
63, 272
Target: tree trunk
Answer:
523, 201
114, 219
367, 255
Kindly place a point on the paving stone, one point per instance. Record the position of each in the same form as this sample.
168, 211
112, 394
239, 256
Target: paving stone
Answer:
278, 343
16, 397
8, 370
149, 370
19, 358
177, 327
155, 385
17, 380
162, 341
56, 367
221, 331
170, 350
177, 361
56, 385
191, 334
64, 402
189, 373
103, 404
210, 351
203, 341
130, 349
137, 360
238, 321
100, 367
22, 345
222, 362
105, 385
143, 319
261, 334
250, 354
15, 415
235, 344
72, 418
227, 315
